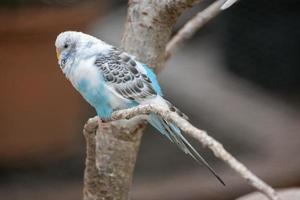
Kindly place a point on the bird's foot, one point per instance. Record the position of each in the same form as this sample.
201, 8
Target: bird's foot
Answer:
103, 123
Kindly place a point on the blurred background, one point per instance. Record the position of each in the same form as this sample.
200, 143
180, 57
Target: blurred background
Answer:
238, 78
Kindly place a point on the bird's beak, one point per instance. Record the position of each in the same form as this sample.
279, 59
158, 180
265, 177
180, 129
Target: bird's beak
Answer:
57, 54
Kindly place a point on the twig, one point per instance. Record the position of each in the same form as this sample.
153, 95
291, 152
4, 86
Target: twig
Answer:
286, 193
204, 139
194, 24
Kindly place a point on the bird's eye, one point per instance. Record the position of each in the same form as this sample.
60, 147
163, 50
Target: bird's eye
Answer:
66, 46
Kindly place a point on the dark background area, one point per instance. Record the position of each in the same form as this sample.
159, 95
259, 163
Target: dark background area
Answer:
238, 78
274, 25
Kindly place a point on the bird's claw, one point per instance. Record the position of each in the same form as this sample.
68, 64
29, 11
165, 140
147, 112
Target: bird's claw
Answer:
103, 123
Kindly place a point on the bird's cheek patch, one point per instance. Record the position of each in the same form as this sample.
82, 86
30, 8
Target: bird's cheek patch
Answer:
62, 63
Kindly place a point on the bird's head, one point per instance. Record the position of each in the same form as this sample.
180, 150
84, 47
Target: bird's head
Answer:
71, 44
67, 43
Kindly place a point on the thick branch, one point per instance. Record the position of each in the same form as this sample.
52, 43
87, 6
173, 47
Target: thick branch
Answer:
149, 27
194, 24
91, 177
204, 139
111, 154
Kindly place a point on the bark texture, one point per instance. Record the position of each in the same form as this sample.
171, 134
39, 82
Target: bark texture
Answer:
149, 27
111, 154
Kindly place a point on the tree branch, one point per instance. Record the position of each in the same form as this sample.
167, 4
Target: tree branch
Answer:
204, 139
190, 28
149, 27
111, 154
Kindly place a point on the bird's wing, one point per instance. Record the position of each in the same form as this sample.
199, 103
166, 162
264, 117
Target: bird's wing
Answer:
121, 74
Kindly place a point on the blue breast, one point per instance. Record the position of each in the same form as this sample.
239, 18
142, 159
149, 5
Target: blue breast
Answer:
96, 97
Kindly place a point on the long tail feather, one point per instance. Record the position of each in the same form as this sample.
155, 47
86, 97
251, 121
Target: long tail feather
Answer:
173, 133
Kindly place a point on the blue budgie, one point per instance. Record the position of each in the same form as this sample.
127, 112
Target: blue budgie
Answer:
110, 79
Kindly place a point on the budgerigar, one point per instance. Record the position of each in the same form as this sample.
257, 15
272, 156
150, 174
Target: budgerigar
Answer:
110, 79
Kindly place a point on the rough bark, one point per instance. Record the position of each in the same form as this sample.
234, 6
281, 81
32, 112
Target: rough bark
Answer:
111, 154
149, 26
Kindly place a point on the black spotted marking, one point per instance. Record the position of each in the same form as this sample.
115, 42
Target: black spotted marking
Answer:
115, 72
120, 72
151, 90
118, 90
135, 87
128, 91
109, 77
133, 63
125, 58
115, 79
146, 78
133, 70
127, 78
111, 67
140, 84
